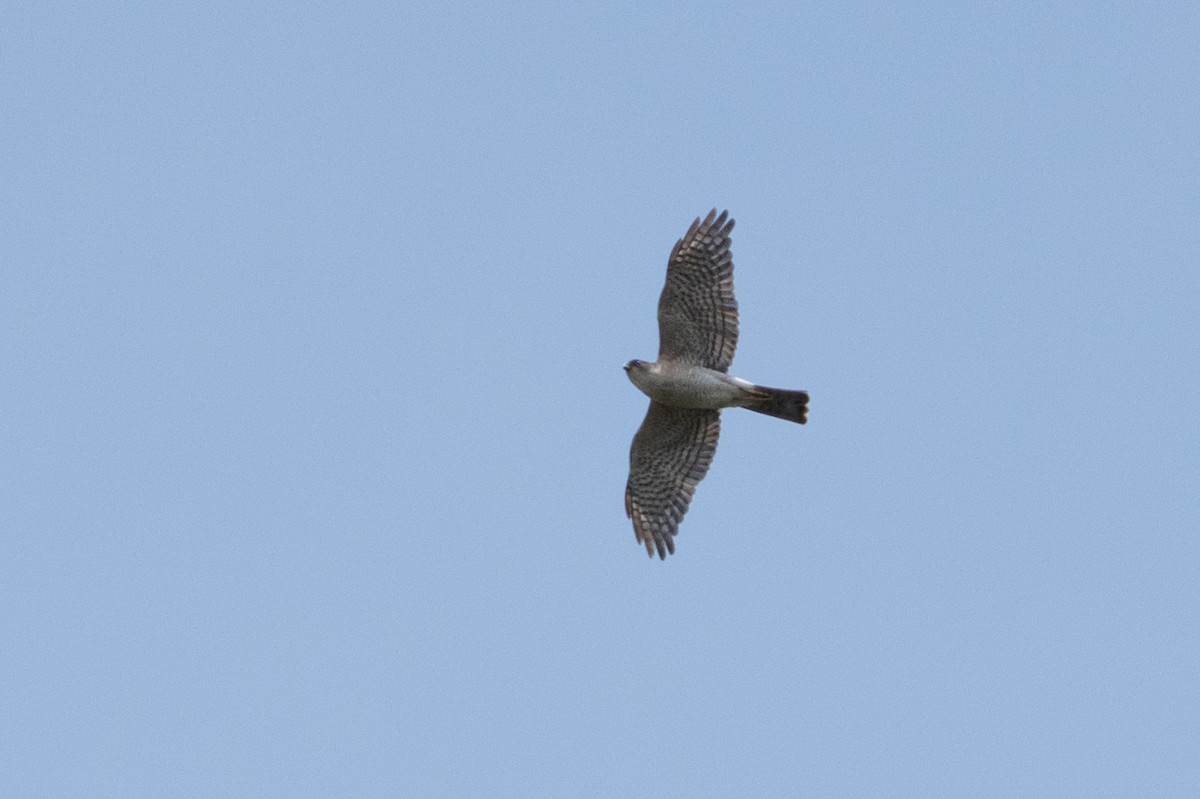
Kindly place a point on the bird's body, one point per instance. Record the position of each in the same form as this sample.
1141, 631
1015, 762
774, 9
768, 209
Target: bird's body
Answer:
689, 385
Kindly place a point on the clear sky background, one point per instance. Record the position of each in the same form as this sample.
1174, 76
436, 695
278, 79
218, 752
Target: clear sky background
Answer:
315, 431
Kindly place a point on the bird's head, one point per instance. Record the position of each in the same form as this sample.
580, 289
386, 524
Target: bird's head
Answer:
640, 373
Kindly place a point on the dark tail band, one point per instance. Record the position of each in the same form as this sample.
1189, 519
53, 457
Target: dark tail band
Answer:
782, 403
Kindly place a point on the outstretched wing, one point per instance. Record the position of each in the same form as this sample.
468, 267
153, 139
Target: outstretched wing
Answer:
671, 454
697, 312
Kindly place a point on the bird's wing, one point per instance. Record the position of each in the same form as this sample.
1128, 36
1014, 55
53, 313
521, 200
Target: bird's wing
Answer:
697, 312
670, 455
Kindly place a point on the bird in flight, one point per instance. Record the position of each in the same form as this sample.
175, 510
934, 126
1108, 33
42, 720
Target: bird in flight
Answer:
690, 384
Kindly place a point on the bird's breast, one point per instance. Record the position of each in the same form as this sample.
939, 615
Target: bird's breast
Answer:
689, 387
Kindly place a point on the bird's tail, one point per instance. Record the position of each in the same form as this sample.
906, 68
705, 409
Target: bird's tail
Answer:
781, 403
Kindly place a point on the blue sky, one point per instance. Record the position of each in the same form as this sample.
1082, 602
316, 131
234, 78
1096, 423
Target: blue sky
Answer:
315, 429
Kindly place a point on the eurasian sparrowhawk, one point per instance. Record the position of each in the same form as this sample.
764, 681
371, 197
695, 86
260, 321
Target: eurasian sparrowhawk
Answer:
689, 385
